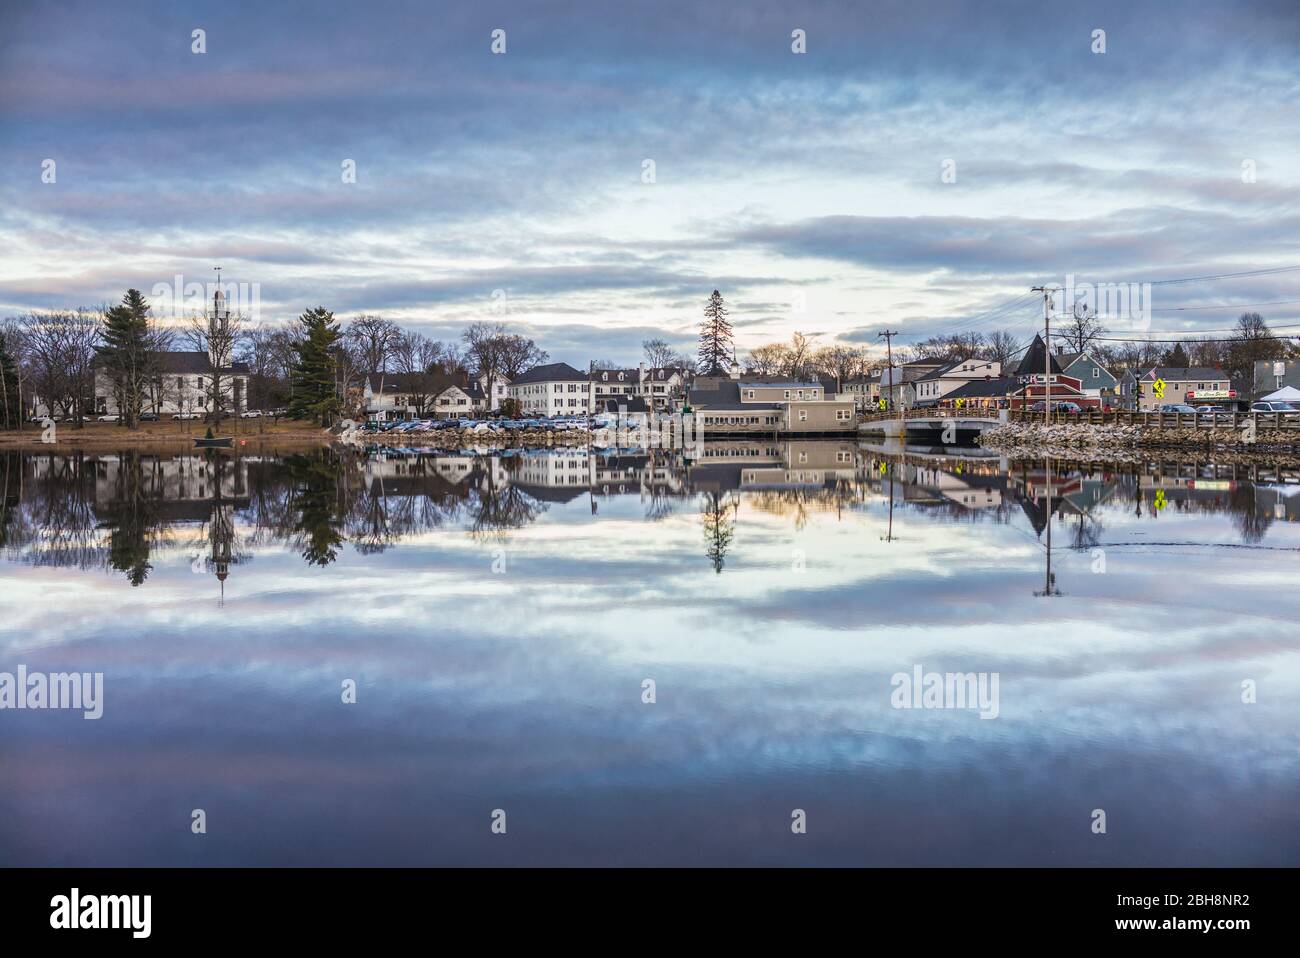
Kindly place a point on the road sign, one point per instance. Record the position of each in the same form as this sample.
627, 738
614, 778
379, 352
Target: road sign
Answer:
1158, 387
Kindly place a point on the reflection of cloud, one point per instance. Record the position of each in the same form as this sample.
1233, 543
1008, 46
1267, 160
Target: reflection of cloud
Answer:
522, 691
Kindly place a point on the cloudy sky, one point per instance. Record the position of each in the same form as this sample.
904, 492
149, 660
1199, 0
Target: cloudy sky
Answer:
808, 187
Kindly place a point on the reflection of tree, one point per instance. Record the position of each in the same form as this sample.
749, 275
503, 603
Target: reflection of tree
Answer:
315, 498
1250, 521
131, 515
719, 529
497, 508
59, 502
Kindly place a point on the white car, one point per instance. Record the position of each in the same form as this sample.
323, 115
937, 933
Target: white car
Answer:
251, 414
188, 415
109, 417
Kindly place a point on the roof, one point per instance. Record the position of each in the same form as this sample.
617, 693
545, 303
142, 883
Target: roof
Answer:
1036, 359
726, 395
755, 382
634, 374
186, 362
946, 368
1183, 373
550, 373
981, 388
426, 383
630, 404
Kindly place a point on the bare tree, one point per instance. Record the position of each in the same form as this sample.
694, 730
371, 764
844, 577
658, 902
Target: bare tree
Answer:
1080, 329
798, 356
486, 349
60, 349
840, 362
767, 360
658, 354
373, 340
1004, 348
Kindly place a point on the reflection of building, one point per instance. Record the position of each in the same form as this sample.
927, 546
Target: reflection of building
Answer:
740, 465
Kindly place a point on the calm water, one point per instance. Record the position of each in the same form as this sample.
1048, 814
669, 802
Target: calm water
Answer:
500, 614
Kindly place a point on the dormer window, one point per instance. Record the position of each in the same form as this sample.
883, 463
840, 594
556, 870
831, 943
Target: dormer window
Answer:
604, 377
620, 377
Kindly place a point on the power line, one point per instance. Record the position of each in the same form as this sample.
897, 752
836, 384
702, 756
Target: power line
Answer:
1173, 309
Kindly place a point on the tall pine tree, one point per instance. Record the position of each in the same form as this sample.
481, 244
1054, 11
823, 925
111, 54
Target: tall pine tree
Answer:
313, 382
125, 354
716, 347
11, 413
1177, 357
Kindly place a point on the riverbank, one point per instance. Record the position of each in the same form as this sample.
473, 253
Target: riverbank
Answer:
248, 433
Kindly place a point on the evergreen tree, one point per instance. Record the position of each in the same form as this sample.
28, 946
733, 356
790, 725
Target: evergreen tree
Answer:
1177, 357
11, 413
315, 396
716, 347
125, 354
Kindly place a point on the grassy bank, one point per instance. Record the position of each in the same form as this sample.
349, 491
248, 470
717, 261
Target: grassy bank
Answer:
97, 435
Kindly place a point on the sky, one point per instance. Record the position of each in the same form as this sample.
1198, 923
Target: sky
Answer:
918, 168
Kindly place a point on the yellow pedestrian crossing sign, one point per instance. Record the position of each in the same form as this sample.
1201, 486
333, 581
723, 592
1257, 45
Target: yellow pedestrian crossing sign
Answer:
1158, 387
882, 402
1160, 499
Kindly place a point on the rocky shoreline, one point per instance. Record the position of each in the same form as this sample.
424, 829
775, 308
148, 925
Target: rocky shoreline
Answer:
462, 438
1021, 439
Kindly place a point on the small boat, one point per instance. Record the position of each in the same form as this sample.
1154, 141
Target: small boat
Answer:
217, 442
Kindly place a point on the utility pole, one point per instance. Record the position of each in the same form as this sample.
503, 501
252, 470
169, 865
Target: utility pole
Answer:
888, 336
1047, 292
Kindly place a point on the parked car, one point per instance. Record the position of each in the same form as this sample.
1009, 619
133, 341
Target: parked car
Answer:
1063, 406
108, 417
149, 417
1272, 405
1181, 407
251, 414
188, 415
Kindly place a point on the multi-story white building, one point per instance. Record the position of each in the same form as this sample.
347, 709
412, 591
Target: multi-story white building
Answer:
556, 389
181, 382
661, 387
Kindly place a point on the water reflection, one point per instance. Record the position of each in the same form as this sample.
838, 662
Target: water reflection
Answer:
114, 511
771, 589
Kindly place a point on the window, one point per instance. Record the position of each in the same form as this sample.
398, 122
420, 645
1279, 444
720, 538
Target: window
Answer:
801, 394
787, 394
749, 394
803, 415
1096, 373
